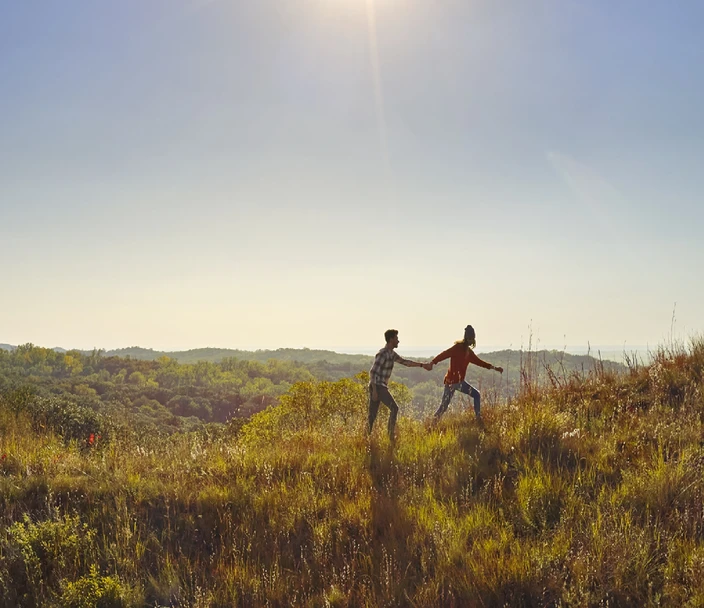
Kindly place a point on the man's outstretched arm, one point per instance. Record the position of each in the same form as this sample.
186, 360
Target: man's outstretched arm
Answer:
407, 362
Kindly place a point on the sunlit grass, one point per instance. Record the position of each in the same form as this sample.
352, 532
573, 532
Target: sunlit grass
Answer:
579, 493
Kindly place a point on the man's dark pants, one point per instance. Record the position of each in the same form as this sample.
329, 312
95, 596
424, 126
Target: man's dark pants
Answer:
383, 396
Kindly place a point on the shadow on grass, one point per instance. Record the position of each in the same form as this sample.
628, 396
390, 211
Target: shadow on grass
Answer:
396, 566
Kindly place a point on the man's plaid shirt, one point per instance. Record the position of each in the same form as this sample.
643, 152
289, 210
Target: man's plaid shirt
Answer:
384, 365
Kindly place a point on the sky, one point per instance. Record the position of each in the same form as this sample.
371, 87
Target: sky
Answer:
255, 174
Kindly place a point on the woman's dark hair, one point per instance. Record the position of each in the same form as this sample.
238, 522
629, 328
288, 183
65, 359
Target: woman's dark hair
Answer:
390, 333
470, 338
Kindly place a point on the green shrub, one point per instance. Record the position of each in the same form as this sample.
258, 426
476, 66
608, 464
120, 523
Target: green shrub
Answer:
93, 591
38, 555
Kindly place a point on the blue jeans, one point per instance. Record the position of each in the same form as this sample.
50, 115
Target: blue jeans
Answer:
463, 387
385, 397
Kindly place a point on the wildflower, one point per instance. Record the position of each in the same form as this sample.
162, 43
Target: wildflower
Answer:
573, 433
3, 457
91, 439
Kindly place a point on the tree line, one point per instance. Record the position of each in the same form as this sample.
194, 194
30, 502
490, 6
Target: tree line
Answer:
165, 394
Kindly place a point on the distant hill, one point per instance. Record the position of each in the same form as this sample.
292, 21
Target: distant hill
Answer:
11, 347
510, 359
215, 355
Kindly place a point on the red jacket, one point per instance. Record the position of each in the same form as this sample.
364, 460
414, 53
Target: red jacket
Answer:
460, 356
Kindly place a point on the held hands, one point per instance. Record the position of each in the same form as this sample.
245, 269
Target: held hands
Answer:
499, 369
427, 366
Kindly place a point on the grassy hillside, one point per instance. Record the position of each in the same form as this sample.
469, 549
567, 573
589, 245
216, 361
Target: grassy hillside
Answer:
582, 490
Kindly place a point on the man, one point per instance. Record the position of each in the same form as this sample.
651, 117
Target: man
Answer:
379, 376
461, 355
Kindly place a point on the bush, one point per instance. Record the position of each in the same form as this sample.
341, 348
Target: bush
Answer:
38, 555
93, 591
61, 415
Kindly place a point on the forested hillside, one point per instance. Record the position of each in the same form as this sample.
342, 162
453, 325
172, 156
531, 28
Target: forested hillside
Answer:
167, 395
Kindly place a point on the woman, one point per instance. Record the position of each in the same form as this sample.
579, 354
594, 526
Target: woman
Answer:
461, 355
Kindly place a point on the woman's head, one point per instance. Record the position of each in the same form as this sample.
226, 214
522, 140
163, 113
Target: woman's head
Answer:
470, 337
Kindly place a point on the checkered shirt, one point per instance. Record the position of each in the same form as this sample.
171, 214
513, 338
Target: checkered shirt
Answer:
383, 366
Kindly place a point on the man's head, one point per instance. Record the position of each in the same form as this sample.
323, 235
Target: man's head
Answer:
391, 337
469, 336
